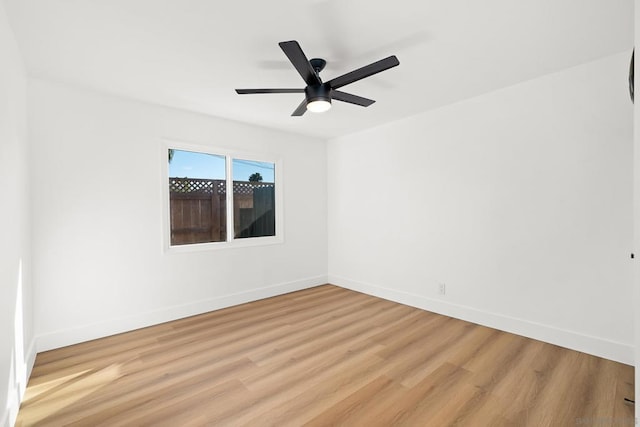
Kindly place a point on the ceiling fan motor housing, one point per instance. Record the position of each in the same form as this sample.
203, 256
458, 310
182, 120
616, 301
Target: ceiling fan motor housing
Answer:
318, 93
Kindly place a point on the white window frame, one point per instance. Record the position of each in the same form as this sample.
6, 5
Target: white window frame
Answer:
230, 155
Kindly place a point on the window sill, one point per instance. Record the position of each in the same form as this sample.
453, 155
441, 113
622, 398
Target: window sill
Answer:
214, 246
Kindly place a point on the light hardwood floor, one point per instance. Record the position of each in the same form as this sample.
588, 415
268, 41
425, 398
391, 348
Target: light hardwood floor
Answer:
324, 356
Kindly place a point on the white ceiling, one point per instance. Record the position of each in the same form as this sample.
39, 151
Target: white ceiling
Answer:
191, 54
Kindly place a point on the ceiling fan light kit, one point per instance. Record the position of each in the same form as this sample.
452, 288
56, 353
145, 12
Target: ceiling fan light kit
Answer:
319, 105
318, 98
319, 94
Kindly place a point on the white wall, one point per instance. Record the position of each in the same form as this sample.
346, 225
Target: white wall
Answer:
636, 211
519, 200
97, 221
16, 329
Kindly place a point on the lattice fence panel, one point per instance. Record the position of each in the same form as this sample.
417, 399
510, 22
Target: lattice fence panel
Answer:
211, 186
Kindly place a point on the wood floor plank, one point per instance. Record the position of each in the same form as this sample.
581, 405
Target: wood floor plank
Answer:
324, 356
427, 397
367, 399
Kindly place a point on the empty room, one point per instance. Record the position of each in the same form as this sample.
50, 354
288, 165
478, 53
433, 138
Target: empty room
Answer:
319, 212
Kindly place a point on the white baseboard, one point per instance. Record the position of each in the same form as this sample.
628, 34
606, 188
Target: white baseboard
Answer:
30, 358
619, 352
16, 392
89, 332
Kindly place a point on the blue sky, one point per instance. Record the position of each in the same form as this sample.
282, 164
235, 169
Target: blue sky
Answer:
209, 166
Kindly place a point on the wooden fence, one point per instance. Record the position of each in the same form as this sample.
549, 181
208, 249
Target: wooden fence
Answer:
198, 210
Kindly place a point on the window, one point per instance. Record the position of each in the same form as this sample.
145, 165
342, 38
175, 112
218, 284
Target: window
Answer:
220, 199
197, 204
253, 199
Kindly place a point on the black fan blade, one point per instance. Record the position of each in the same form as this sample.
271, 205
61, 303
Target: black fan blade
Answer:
350, 98
302, 108
366, 71
295, 54
251, 91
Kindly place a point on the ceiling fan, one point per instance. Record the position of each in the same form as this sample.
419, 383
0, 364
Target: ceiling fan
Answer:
319, 94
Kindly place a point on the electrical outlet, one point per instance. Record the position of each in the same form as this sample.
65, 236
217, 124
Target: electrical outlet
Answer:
442, 289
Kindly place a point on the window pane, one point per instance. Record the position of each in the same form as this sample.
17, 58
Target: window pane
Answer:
197, 197
253, 199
